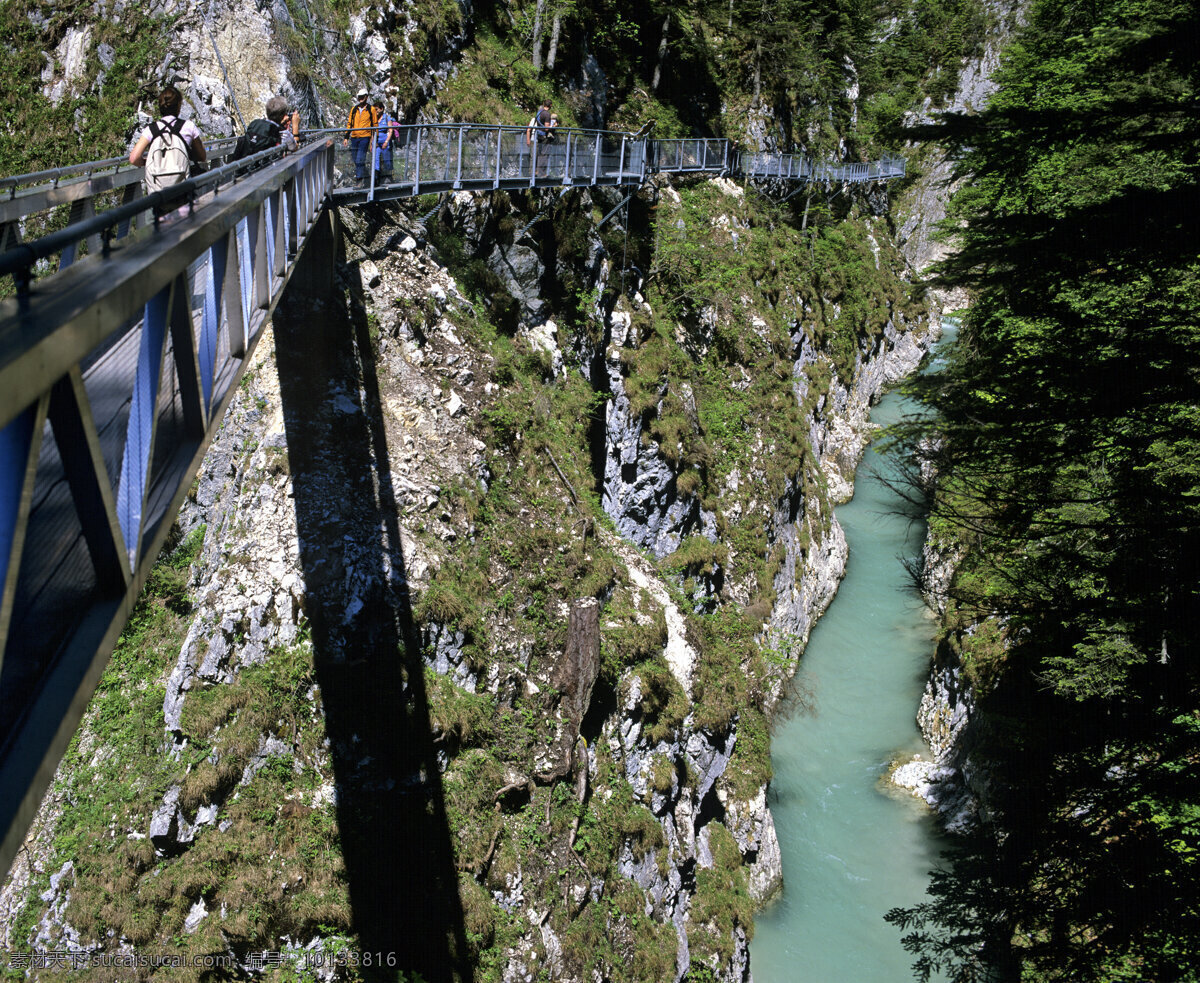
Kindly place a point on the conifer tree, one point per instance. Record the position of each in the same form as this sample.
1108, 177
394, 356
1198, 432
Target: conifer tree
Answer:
1069, 458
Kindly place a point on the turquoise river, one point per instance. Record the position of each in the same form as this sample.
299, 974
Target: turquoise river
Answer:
853, 847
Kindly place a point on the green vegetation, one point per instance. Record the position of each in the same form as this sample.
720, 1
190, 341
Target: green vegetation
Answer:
735, 291
706, 65
276, 868
91, 119
721, 904
1069, 474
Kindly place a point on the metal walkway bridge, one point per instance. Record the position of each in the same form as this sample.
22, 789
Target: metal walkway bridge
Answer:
123, 339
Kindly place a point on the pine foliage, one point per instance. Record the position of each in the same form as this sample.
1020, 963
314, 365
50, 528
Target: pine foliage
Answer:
1069, 457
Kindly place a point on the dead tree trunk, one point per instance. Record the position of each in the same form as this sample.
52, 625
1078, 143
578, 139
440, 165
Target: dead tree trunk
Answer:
573, 681
537, 35
553, 53
662, 54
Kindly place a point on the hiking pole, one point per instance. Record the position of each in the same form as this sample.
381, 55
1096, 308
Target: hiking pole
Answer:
221, 62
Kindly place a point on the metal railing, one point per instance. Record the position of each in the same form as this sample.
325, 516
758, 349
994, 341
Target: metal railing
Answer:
85, 187
101, 229
698, 154
430, 158
114, 377
793, 167
446, 157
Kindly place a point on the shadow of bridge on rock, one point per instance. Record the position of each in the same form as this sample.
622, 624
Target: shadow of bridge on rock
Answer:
391, 813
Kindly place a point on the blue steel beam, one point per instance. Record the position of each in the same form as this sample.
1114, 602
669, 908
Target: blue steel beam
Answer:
20, 442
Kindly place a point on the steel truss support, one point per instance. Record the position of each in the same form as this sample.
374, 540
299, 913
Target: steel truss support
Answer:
115, 374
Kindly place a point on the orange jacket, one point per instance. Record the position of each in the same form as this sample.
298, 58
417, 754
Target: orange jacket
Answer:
363, 120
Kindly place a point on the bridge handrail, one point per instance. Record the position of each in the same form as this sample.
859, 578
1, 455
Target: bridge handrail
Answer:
675, 147
114, 378
670, 155
792, 166
55, 175
783, 165
22, 257
501, 127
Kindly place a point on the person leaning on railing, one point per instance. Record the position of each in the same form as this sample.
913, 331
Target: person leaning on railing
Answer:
383, 144
361, 126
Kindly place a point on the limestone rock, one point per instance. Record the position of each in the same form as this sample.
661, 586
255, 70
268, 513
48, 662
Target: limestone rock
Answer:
573, 681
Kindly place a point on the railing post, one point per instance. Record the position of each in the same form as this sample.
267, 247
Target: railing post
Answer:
499, 147
295, 216
267, 238
372, 151
279, 256
234, 311
417, 172
210, 318
533, 155
458, 172
141, 427
621, 162
596, 161
567, 160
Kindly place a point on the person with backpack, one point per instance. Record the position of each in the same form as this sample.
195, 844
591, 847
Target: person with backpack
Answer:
359, 132
170, 147
278, 129
556, 157
538, 134
383, 140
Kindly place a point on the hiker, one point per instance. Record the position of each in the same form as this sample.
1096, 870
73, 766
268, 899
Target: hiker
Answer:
170, 147
385, 137
278, 129
557, 152
536, 133
359, 132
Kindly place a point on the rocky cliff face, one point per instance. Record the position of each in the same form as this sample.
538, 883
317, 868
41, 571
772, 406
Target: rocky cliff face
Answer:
352, 476
923, 206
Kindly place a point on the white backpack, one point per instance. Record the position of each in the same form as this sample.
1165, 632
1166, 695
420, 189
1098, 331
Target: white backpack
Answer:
167, 158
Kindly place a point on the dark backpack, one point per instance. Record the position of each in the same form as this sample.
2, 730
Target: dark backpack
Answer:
260, 135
